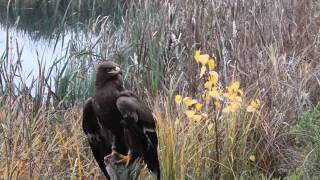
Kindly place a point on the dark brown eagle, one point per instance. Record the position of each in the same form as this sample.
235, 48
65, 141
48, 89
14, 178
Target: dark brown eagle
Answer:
116, 122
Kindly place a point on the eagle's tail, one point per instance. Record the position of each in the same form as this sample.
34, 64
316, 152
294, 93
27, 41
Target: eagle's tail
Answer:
152, 161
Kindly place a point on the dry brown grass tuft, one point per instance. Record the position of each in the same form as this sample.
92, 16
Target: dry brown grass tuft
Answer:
44, 144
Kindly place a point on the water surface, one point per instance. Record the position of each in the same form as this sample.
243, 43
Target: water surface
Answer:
42, 29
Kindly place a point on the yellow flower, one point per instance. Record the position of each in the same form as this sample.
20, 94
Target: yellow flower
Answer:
178, 99
210, 126
202, 71
252, 158
254, 105
197, 55
198, 106
211, 64
188, 101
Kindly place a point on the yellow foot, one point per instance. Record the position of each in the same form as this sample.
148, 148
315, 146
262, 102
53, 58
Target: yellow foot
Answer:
114, 152
125, 159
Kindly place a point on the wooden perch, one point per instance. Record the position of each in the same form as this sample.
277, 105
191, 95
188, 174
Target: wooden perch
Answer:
119, 171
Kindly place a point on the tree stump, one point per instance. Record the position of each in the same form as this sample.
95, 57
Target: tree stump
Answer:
119, 171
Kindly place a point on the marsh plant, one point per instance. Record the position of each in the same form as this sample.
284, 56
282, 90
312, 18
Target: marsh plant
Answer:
225, 127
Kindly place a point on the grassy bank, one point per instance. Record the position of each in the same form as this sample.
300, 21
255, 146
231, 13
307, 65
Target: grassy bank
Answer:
271, 47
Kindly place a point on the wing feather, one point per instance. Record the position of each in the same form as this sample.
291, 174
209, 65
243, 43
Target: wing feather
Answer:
98, 139
139, 120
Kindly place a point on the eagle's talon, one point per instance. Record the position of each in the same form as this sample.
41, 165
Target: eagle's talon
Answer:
124, 159
113, 153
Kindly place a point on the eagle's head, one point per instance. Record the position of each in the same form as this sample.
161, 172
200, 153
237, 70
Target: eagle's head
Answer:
108, 71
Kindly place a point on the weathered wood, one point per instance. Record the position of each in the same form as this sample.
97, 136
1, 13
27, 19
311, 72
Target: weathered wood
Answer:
119, 171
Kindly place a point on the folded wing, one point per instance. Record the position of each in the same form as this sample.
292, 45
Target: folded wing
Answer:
99, 140
139, 125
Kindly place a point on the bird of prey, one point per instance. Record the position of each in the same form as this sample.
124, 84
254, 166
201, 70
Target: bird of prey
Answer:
116, 122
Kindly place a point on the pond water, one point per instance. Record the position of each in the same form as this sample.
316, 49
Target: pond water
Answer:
42, 29
32, 50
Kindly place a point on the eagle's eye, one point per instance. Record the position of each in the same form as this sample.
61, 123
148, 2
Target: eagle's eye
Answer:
107, 69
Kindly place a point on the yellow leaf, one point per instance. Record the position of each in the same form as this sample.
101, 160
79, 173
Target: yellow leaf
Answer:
226, 109
178, 99
233, 88
210, 126
213, 77
204, 115
250, 109
207, 97
240, 92
208, 85
211, 64
235, 85
254, 105
203, 59
238, 99
197, 55
189, 113
192, 116
230, 96
188, 101
252, 158
202, 71
233, 107
196, 118
215, 93
198, 106
217, 104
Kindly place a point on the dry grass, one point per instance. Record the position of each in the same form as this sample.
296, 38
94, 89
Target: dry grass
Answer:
45, 144
50, 143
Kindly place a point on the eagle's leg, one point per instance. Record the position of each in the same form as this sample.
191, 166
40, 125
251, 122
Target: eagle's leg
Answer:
126, 159
114, 152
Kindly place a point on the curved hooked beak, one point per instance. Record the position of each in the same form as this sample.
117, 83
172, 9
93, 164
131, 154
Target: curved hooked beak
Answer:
116, 70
